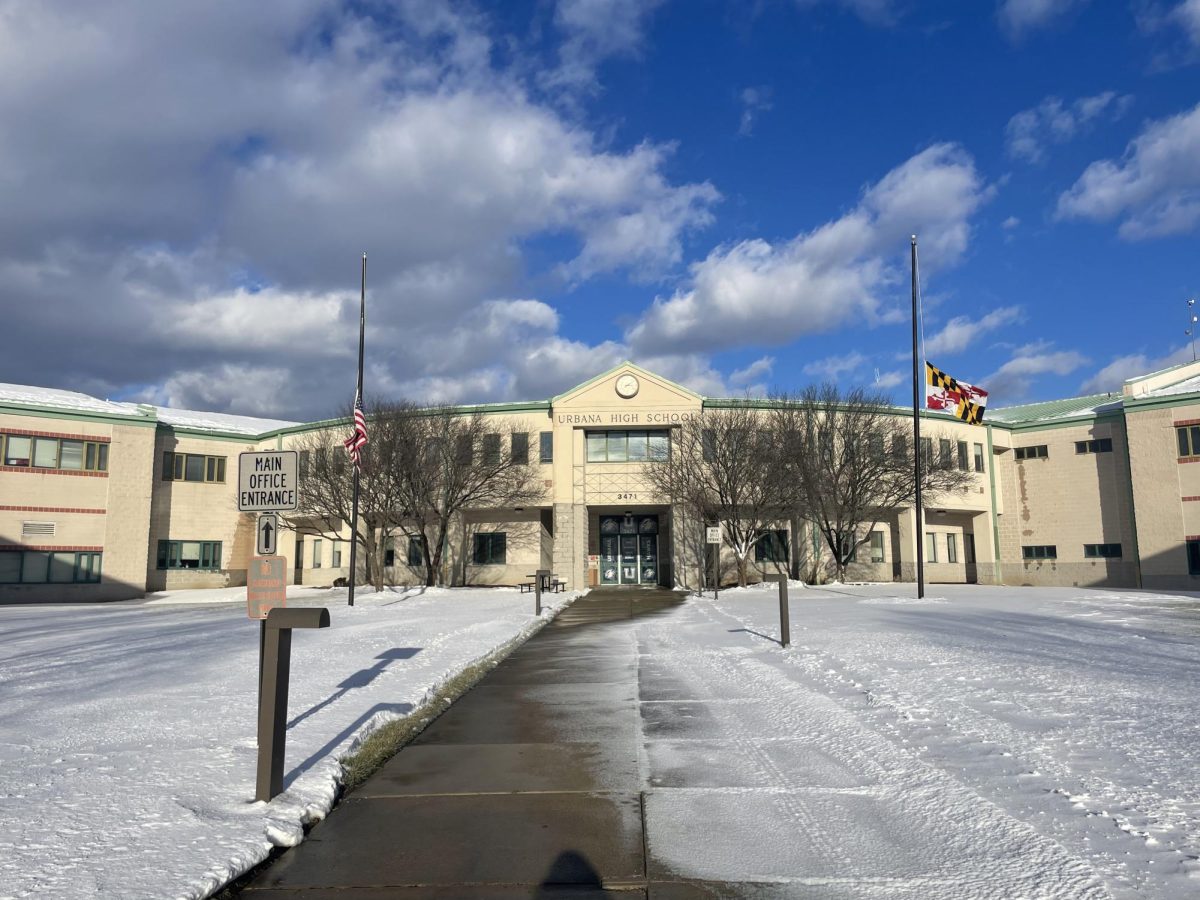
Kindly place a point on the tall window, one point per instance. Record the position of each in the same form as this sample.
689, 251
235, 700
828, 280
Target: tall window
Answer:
389, 552
979, 457
192, 467
964, 462
489, 549
952, 548
708, 445
772, 546
337, 555
416, 558
189, 555
491, 449
546, 449
877, 546
519, 447
930, 547
316, 553
927, 452
464, 452
1188, 437
944, 453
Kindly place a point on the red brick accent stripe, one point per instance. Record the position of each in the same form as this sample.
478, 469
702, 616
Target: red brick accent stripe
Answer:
1188, 459
72, 509
1191, 537
54, 548
1186, 499
95, 438
34, 470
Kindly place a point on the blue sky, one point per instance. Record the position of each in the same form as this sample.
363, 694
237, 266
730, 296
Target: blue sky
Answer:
722, 191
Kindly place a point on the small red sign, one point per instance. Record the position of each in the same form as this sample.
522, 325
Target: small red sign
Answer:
266, 585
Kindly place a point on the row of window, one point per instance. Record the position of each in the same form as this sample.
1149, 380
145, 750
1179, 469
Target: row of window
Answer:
628, 446
1041, 451
193, 467
488, 548
202, 555
931, 548
54, 453
49, 567
772, 547
949, 454
1090, 551
318, 554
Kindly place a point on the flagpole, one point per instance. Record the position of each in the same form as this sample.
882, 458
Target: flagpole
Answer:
362, 327
920, 536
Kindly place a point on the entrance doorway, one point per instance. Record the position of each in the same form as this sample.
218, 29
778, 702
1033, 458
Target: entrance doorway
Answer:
629, 549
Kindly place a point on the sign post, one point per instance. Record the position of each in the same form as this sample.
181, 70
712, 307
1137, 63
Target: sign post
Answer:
785, 626
713, 537
266, 589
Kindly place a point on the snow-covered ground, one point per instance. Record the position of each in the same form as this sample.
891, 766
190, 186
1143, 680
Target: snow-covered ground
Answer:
128, 731
1052, 733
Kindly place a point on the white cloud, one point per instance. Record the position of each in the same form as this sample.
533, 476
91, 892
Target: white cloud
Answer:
886, 381
206, 223
760, 368
832, 366
1187, 15
1021, 16
1110, 378
755, 100
1154, 189
959, 333
755, 292
1029, 131
1030, 367
596, 30
1010, 223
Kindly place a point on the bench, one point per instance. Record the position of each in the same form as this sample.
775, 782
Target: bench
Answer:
549, 585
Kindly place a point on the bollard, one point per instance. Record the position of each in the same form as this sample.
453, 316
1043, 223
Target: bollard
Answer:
785, 626
542, 576
273, 699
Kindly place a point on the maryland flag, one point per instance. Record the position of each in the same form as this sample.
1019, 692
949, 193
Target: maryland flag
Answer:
945, 394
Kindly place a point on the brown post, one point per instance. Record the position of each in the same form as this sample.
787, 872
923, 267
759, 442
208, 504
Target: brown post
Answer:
272, 705
785, 625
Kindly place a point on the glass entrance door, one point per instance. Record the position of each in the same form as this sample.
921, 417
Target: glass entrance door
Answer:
629, 549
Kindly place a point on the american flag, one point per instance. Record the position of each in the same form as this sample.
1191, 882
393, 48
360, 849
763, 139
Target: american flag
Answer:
358, 440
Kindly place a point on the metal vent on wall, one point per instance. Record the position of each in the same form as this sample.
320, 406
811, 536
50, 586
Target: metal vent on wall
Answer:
37, 529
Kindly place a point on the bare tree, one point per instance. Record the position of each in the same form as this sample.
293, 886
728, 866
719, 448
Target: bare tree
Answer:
722, 469
847, 461
447, 462
326, 488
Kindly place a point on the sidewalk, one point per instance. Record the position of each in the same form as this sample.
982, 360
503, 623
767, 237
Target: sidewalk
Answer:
528, 786
645, 747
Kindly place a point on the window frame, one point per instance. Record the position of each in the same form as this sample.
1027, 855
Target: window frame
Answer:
951, 547
598, 446
518, 448
770, 543
1102, 551
415, 560
210, 550
1032, 451
878, 552
486, 546
979, 464
176, 466
1094, 445
546, 446
1039, 552
931, 547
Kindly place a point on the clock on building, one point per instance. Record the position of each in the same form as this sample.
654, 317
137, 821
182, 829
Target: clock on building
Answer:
627, 386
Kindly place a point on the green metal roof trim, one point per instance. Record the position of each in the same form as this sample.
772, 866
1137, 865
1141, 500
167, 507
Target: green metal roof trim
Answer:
61, 412
1049, 410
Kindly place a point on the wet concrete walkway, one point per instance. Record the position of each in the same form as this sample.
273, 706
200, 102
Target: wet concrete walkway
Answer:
528, 786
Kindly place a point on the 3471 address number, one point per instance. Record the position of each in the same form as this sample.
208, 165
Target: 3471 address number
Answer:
627, 496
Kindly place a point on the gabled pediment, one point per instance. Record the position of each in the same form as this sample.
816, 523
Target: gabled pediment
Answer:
627, 385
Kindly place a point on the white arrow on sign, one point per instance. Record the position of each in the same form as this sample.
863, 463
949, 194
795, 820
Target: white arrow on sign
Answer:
268, 533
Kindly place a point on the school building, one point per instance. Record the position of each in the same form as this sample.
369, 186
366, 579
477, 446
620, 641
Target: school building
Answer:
105, 500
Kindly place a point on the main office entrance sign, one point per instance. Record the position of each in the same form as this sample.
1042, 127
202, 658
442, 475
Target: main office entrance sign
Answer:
268, 481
